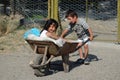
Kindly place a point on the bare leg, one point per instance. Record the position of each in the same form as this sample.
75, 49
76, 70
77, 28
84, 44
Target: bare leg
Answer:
86, 62
80, 52
86, 49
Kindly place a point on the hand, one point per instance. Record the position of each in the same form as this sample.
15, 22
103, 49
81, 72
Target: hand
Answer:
91, 38
79, 44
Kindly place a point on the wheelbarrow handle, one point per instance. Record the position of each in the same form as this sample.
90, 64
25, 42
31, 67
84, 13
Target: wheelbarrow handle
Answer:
82, 44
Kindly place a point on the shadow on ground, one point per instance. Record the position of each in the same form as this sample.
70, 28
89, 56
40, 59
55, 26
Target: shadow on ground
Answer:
56, 66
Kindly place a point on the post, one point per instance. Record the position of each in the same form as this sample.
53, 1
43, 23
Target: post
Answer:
49, 8
53, 13
118, 17
86, 10
55, 4
53, 9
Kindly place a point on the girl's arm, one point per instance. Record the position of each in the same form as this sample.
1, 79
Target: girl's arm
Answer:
52, 35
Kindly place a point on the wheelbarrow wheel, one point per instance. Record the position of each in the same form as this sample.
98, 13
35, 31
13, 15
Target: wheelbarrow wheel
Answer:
39, 71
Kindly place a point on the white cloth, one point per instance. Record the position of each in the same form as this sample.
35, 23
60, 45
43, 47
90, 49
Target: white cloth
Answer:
85, 39
60, 42
44, 37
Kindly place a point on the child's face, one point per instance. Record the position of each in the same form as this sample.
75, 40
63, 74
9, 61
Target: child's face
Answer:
52, 28
72, 19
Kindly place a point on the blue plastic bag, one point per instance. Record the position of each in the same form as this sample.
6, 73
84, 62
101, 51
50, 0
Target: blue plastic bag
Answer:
33, 31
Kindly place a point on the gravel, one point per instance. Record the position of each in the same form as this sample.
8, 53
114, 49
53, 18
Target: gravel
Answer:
15, 65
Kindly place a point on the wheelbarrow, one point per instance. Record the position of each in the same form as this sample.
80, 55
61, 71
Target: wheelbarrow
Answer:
45, 51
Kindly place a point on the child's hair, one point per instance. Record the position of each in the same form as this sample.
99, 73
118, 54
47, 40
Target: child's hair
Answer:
71, 13
49, 22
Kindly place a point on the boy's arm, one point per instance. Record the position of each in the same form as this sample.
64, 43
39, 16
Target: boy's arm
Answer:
91, 33
63, 33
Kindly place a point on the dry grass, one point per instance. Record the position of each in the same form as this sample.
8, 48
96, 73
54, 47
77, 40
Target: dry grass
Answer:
12, 41
10, 38
11, 34
9, 23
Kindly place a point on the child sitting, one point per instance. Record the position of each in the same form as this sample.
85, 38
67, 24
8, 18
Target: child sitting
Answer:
49, 33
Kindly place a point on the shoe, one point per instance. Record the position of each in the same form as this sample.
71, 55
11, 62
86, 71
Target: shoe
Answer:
80, 61
87, 61
38, 73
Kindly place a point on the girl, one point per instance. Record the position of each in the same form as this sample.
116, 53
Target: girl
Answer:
49, 29
49, 32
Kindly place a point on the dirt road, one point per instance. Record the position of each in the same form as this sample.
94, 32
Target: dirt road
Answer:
14, 66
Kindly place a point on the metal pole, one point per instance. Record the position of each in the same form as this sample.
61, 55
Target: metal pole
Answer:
49, 8
52, 9
86, 10
55, 9
118, 16
56, 16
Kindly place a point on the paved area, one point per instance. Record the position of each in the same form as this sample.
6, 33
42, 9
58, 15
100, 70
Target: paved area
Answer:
14, 66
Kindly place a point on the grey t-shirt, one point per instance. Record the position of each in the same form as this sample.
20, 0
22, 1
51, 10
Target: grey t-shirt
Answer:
79, 28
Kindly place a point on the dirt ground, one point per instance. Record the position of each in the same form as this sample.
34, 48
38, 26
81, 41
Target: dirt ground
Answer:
15, 65
15, 55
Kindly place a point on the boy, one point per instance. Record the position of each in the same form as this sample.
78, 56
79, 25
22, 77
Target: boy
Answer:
79, 26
